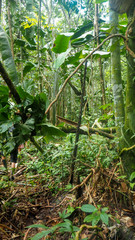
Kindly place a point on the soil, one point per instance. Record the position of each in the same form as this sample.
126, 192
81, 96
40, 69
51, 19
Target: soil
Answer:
30, 200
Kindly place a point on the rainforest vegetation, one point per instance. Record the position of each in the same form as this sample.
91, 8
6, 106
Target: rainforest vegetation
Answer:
67, 86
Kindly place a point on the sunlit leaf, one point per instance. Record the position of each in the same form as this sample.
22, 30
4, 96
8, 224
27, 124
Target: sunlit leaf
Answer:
132, 176
61, 44
61, 58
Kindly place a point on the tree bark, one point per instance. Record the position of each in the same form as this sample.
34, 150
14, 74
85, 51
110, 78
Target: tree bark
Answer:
79, 124
129, 128
121, 6
116, 76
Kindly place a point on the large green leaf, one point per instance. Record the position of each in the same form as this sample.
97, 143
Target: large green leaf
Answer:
82, 29
50, 130
61, 44
8, 62
61, 58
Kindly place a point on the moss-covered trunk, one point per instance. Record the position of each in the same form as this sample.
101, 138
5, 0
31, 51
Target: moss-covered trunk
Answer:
116, 76
129, 128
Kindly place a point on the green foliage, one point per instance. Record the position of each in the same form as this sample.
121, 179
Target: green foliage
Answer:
60, 59
87, 25
101, 1
27, 68
7, 58
96, 215
132, 180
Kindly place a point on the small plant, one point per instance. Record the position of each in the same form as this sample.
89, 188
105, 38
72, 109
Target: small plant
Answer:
132, 180
97, 214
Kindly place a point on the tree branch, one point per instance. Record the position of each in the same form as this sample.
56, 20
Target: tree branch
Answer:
91, 131
78, 93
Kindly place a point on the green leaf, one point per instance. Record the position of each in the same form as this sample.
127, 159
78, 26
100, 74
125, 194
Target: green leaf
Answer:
132, 185
25, 97
102, 54
89, 218
101, 1
5, 126
88, 208
4, 94
27, 68
31, 47
37, 226
61, 58
19, 42
61, 44
95, 220
41, 235
50, 130
132, 176
104, 218
82, 29
74, 59
105, 209
7, 58
29, 34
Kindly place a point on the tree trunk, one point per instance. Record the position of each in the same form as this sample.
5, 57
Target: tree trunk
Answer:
10, 28
116, 76
38, 47
103, 100
0, 9
129, 128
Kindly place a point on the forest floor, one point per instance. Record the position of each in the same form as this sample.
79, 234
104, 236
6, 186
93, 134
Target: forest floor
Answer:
30, 200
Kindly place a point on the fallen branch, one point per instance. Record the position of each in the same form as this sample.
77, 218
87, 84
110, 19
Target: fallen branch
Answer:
91, 131
19, 171
127, 149
85, 226
82, 183
90, 54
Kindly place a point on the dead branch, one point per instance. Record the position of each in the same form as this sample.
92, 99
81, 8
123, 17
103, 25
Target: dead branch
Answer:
82, 183
90, 54
85, 226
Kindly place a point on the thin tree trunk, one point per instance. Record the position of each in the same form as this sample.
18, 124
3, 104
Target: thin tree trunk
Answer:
116, 76
0, 9
78, 127
10, 28
103, 99
38, 47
